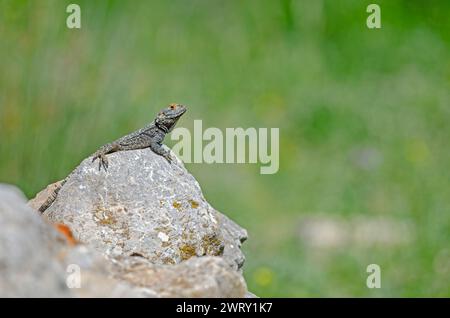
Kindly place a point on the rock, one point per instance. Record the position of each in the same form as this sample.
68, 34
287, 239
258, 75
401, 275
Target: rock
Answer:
144, 206
37, 261
143, 229
250, 295
28, 249
95, 276
131, 276
34, 258
207, 276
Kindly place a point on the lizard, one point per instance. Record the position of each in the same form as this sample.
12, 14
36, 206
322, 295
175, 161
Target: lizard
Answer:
151, 136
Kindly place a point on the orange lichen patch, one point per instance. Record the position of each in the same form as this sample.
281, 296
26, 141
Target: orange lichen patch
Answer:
66, 232
176, 205
194, 204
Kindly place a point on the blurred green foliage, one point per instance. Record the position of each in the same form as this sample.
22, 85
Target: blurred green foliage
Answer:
312, 68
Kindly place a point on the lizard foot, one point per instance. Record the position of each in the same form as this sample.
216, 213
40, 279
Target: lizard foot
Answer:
103, 162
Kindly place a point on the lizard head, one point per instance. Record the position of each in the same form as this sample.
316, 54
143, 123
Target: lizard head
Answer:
168, 117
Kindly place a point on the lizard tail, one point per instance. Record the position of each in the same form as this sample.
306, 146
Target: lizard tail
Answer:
52, 197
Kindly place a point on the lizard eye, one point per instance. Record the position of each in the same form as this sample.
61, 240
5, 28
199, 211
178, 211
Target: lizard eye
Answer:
172, 106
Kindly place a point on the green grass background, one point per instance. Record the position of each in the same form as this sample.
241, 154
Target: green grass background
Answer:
311, 68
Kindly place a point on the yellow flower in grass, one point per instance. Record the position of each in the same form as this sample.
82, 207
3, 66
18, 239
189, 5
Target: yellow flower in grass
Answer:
263, 276
417, 151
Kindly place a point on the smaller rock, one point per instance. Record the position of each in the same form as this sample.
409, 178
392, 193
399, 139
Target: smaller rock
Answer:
94, 272
28, 251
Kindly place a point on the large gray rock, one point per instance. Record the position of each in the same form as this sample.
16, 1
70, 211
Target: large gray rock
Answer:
144, 206
38, 261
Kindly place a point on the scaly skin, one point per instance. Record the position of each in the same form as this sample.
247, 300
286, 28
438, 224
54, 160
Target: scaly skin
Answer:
151, 136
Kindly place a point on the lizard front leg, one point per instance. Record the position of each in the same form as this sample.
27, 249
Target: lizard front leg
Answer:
102, 152
157, 148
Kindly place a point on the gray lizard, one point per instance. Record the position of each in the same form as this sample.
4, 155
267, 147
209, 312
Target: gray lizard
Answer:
151, 136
